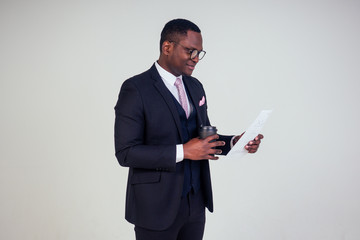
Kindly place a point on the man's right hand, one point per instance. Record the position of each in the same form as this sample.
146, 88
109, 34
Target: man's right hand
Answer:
199, 149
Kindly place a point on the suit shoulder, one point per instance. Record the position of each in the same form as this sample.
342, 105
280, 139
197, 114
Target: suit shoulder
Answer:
194, 82
139, 78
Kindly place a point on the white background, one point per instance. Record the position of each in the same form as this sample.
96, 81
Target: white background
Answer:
61, 67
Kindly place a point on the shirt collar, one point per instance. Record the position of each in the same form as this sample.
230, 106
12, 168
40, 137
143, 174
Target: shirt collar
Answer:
165, 75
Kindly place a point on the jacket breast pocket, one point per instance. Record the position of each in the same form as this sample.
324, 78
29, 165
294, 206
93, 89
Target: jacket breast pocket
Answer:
145, 177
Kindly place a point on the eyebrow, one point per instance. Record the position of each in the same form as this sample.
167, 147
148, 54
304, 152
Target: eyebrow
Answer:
191, 49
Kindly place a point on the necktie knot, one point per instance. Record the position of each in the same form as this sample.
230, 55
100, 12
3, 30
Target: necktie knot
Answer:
178, 82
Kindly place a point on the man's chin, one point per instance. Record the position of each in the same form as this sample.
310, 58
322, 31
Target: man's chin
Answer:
188, 73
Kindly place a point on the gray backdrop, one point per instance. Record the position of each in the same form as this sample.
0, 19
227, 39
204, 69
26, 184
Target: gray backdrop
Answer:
61, 67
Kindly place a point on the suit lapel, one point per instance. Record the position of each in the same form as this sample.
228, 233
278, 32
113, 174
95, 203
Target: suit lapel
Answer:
168, 98
195, 97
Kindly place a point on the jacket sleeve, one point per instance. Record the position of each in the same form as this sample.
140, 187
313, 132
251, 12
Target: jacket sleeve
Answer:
130, 149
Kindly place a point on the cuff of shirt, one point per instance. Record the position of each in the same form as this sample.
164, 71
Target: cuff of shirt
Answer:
179, 153
232, 142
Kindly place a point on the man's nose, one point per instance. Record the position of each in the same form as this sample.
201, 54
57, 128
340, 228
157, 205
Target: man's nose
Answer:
196, 59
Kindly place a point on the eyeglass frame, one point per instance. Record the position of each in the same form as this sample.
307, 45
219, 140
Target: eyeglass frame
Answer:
190, 51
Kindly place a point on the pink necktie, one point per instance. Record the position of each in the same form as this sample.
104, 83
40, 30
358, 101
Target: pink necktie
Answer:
182, 96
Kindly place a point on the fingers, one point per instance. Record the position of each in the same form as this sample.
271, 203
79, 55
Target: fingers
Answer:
212, 138
253, 145
199, 149
252, 148
213, 151
212, 141
216, 144
236, 139
212, 157
211, 145
258, 137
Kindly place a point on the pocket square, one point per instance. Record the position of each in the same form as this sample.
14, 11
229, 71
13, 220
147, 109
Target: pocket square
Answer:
202, 101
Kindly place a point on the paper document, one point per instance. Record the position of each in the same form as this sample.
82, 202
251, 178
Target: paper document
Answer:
238, 150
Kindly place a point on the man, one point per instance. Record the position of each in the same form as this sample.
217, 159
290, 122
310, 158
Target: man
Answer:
158, 115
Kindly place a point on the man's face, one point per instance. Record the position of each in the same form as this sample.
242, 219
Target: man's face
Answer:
178, 60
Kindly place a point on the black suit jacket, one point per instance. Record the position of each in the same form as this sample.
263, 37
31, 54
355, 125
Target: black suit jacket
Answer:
147, 129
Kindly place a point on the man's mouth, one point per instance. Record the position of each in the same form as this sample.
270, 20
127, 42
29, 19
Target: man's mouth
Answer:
192, 67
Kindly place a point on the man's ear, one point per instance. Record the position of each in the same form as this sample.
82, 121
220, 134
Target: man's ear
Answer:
167, 48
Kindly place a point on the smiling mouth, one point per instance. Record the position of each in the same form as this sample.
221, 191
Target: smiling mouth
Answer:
192, 67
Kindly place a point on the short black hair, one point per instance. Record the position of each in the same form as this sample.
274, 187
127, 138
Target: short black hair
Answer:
175, 28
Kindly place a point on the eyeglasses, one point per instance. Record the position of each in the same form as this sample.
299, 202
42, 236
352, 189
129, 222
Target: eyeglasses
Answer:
193, 52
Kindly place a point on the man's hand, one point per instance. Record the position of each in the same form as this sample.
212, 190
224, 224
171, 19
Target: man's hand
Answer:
199, 149
253, 145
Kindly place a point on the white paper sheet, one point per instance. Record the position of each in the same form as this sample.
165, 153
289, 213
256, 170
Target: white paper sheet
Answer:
238, 150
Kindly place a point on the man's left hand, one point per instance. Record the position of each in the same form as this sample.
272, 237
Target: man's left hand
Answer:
253, 145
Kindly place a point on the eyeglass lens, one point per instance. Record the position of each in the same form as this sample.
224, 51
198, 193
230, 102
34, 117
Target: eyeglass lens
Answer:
195, 53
